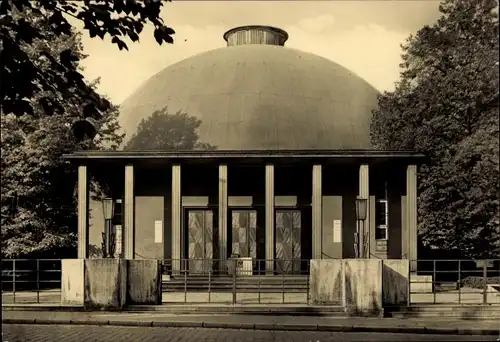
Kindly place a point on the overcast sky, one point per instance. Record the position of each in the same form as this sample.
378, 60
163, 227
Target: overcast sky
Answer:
364, 36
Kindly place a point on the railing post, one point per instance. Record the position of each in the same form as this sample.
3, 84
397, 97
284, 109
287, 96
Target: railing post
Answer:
209, 281
258, 272
283, 287
234, 280
14, 281
459, 283
308, 274
434, 280
485, 281
185, 279
38, 280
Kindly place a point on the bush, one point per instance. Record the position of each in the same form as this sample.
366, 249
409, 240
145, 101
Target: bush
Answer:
478, 282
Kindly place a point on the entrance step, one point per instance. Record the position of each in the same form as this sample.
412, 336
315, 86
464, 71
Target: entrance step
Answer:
264, 284
437, 310
263, 309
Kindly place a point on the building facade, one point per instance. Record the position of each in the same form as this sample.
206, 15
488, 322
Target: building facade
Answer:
280, 208
292, 137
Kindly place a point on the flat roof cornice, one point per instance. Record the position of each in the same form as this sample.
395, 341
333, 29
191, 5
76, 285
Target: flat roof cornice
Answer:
237, 154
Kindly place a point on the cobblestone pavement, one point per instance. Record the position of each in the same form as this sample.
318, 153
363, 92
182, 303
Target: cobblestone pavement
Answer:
49, 333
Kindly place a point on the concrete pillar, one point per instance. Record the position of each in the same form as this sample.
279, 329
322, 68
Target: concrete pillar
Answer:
317, 212
83, 212
222, 216
128, 211
270, 218
176, 218
411, 214
364, 229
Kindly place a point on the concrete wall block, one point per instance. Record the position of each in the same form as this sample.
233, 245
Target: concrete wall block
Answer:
105, 283
363, 286
395, 282
72, 282
143, 282
325, 282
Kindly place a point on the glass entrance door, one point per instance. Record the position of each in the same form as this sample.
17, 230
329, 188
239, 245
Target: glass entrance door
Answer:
288, 241
244, 232
200, 240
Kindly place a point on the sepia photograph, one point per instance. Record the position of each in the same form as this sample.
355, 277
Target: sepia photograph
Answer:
287, 171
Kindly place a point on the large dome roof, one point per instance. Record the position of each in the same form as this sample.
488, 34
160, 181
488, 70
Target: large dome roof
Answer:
259, 96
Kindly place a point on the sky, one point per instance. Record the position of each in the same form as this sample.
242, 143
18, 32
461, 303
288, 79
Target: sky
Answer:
363, 36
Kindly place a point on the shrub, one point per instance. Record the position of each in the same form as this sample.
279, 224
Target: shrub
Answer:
478, 282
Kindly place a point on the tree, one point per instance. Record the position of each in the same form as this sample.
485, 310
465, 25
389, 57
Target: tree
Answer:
167, 132
38, 202
446, 106
24, 76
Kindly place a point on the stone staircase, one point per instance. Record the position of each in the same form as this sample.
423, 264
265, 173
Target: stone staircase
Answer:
420, 283
249, 284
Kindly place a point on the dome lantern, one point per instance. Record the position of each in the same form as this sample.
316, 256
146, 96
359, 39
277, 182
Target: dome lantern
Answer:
256, 34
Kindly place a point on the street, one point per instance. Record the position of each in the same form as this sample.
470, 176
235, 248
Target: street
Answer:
73, 333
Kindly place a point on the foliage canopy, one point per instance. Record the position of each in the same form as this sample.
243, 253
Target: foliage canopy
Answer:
446, 106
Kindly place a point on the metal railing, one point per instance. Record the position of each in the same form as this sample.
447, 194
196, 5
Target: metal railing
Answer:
455, 282
235, 281
27, 281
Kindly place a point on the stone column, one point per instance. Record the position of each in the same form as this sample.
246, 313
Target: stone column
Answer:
128, 211
222, 217
317, 212
411, 214
270, 218
176, 218
83, 212
364, 228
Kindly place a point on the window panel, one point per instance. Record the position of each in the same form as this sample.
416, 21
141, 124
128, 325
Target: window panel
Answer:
380, 233
381, 213
381, 219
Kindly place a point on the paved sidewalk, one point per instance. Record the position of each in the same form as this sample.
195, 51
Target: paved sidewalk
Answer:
258, 322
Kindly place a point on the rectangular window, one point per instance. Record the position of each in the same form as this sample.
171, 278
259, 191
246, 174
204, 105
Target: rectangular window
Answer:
381, 219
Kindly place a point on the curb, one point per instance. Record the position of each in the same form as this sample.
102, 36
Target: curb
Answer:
259, 326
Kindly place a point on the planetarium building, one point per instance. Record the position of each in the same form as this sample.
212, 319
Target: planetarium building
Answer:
292, 175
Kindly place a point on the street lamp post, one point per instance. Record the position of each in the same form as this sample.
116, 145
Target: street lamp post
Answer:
108, 236
361, 209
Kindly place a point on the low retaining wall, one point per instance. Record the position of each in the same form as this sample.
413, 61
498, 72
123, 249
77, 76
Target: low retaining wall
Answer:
110, 283
363, 286
326, 282
354, 283
105, 283
143, 282
395, 282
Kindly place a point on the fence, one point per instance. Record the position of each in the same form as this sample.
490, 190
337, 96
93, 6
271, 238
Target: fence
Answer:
456, 282
252, 281
31, 281
237, 281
